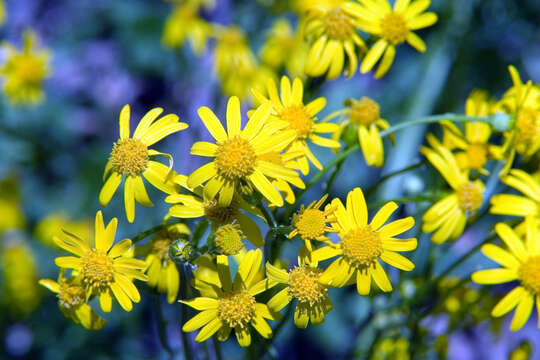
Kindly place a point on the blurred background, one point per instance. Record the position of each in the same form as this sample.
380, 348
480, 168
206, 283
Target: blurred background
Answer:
105, 54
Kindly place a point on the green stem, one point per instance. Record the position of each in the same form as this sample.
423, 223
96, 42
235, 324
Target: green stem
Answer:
404, 200
392, 174
183, 316
217, 348
267, 215
161, 324
333, 177
140, 236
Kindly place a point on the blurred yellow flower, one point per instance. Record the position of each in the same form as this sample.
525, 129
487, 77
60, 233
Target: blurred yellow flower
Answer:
52, 225
10, 205
363, 244
392, 26
311, 223
518, 205
104, 269
130, 156
227, 305
24, 70
185, 24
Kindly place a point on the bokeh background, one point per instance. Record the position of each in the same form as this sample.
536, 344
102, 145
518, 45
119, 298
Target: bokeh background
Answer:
109, 53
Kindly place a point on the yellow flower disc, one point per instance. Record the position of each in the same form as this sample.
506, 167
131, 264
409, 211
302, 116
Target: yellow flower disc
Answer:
338, 25
304, 284
394, 28
310, 224
97, 269
236, 308
477, 155
298, 120
469, 197
160, 247
365, 112
70, 295
527, 124
529, 274
229, 239
361, 247
129, 157
220, 214
235, 159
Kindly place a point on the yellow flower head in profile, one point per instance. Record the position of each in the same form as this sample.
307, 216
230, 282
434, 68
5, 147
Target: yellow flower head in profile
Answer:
364, 244
518, 205
302, 283
474, 149
311, 223
104, 269
392, 26
237, 154
130, 157
24, 70
227, 304
161, 269
333, 41
185, 24
365, 114
291, 111
72, 302
521, 263
448, 217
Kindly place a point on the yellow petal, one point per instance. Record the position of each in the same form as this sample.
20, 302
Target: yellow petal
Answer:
243, 336
512, 240
120, 248
202, 303
68, 262
363, 282
209, 329
397, 260
277, 274
127, 287
201, 175
121, 297
397, 227
124, 122
416, 42
200, 320
357, 208
109, 188
155, 135
523, 311
380, 277
204, 148
373, 55
280, 300
146, 121
386, 61
394, 244
105, 301
500, 256
494, 276
382, 215
129, 198
233, 116
266, 188
422, 21
50, 284
212, 123
301, 317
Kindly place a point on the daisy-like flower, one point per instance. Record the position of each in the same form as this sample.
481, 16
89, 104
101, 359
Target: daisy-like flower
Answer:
24, 70
228, 239
311, 223
72, 302
521, 263
227, 304
185, 24
302, 283
131, 157
237, 154
364, 244
104, 269
334, 41
448, 217
474, 149
195, 206
365, 114
161, 269
393, 27
518, 205
290, 110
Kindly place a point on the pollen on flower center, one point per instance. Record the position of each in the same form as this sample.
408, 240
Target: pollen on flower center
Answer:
337, 24
129, 157
477, 155
220, 214
529, 274
304, 284
160, 247
311, 224
365, 112
235, 158
236, 308
469, 197
70, 295
527, 124
394, 28
361, 247
97, 269
29, 70
298, 120
229, 239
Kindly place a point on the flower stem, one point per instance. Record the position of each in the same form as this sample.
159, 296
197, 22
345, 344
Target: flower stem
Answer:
160, 324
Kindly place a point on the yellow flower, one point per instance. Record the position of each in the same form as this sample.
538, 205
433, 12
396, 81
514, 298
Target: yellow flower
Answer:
311, 223
521, 263
10, 205
286, 48
184, 23
518, 205
130, 156
301, 6
474, 147
290, 110
393, 27
52, 225
365, 115
72, 302
448, 216
103, 268
302, 284
362, 245
333, 39
24, 70
161, 269
237, 154
227, 305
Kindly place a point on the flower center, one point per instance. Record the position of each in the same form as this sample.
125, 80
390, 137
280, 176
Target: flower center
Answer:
365, 112
337, 24
129, 157
361, 247
310, 224
97, 270
229, 239
304, 284
29, 70
470, 197
220, 214
394, 28
529, 274
233, 37
477, 155
298, 120
236, 308
235, 158
70, 295
160, 247
527, 124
